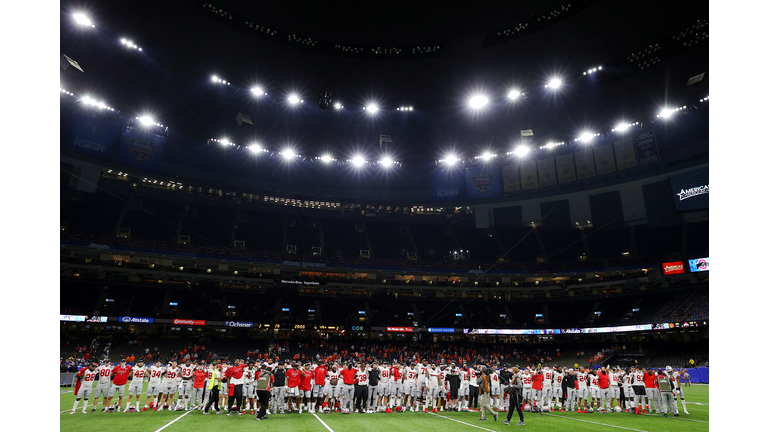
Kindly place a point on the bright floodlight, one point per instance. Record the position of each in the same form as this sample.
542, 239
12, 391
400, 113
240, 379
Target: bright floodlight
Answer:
586, 136
337, 105
554, 83
288, 153
293, 99
386, 160
326, 158
487, 155
358, 161
478, 101
146, 120
622, 127
666, 112
372, 108
514, 94
257, 90
214, 78
521, 151
82, 19
254, 148
451, 159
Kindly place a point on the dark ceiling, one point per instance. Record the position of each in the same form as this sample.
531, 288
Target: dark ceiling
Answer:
184, 44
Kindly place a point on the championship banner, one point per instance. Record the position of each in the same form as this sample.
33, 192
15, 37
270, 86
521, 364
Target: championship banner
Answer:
447, 185
625, 153
604, 159
141, 149
483, 182
585, 165
647, 150
566, 170
528, 175
511, 175
92, 136
547, 176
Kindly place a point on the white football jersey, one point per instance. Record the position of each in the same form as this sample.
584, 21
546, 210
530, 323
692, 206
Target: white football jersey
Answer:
548, 377
557, 378
594, 380
637, 379
527, 380
464, 378
187, 371
384, 376
472, 377
88, 377
613, 377
155, 374
171, 373
333, 376
423, 372
494, 379
409, 375
105, 371
138, 373
249, 375
434, 378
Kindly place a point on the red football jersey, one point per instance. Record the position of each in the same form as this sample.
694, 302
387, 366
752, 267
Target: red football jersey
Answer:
199, 378
348, 375
320, 373
121, 374
305, 380
293, 377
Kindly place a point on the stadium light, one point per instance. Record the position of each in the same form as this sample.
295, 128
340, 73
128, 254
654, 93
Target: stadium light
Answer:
387, 161
487, 156
521, 151
666, 112
146, 120
358, 161
288, 153
371, 108
553, 83
478, 101
451, 159
337, 105
258, 91
293, 99
587, 136
621, 127
514, 94
326, 158
254, 148
82, 19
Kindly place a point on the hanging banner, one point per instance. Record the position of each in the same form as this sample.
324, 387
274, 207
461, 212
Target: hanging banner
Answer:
447, 185
566, 171
647, 150
141, 149
511, 175
625, 153
585, 165
92, 136
604, 159
483, 182
528, 175
547, 176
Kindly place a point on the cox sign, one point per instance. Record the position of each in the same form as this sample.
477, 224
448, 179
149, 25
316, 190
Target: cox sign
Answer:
238, 324
358, 328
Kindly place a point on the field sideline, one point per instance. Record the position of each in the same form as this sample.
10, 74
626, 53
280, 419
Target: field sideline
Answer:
697, 397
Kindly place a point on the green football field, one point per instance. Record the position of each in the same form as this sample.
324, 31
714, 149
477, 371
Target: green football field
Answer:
697, 397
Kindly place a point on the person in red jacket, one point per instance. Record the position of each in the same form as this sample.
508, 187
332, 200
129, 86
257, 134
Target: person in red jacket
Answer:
293, 374
235, 379
653, 398
305, 388
538, 382
119, 379
348, 375
604, 381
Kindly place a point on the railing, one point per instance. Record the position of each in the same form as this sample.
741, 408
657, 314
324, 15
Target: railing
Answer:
67, 379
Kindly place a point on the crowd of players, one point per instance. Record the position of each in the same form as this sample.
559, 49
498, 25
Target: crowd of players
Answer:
275, 387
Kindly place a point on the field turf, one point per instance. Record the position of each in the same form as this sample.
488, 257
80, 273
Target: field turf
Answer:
697, 397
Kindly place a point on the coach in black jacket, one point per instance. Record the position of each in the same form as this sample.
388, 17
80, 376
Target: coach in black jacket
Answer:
514, 389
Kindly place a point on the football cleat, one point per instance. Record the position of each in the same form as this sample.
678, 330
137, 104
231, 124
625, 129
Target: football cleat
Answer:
143, 409
425, 410
388, 411
72, 412
434, 410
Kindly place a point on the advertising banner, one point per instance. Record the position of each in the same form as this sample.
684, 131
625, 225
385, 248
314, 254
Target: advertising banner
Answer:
96, 319
546, 168
483, 182
699, 264
670, 268
585, 164
691, 190
400, 329
92, 136
141, 149
647, 150
189, 322
566, 171
624, 149
240, 324
75, 318
528, 175
359, 328
604, 159
126, 319
440, 330
447, 185
511, 175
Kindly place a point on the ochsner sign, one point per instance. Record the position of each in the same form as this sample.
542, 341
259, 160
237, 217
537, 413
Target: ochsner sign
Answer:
675, 267
238, 324
136, 320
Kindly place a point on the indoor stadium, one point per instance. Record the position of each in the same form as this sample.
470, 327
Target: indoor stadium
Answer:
375, 216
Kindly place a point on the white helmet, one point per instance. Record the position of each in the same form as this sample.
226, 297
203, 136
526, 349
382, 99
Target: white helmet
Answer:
669, 369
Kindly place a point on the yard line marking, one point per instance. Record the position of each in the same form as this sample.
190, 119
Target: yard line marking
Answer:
601, 424
174, 421
321, 421
459, 421
679, 418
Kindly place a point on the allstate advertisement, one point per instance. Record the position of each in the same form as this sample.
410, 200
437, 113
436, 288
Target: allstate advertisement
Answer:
447, 185
92, 136
691, 190
140, 320
141, 149
483, 182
